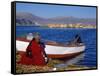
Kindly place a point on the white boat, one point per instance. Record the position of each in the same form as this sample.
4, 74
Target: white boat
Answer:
53, 49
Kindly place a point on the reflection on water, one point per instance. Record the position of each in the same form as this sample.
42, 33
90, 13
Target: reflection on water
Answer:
71, 61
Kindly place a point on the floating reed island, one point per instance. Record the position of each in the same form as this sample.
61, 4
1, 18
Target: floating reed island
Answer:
50, 67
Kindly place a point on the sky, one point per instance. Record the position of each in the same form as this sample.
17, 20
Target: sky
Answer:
50, 11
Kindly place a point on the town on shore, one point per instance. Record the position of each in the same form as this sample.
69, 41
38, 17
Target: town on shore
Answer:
77, 25
56, 25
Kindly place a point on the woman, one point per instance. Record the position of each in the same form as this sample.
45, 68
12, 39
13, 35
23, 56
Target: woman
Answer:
35, 53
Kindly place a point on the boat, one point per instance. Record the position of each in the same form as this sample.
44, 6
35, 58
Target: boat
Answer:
54, 49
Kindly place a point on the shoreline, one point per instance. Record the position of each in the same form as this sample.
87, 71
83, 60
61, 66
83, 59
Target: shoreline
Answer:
51, 28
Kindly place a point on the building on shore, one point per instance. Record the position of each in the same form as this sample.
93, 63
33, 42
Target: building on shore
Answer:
70, 25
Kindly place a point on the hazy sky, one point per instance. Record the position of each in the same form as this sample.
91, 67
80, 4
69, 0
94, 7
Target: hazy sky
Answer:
49, 11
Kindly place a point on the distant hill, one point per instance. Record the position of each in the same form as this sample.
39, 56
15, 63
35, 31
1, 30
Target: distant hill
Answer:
28, 18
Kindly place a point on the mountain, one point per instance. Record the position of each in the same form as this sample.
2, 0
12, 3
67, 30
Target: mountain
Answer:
28, 18
73, 20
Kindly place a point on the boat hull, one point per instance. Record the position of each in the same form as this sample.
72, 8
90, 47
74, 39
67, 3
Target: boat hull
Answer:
54, 51
64, 56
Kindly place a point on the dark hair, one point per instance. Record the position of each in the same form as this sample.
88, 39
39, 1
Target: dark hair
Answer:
34, 40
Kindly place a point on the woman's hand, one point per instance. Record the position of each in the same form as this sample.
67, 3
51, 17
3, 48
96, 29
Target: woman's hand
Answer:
46, 59
29, 53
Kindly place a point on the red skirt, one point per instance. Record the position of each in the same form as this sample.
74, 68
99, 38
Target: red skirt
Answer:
35, 60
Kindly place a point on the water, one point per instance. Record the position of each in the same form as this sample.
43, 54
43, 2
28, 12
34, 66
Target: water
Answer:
64, 35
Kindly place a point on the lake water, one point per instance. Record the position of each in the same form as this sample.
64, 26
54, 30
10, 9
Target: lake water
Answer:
63, 35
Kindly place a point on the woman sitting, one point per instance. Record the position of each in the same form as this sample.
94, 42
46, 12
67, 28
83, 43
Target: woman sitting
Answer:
35, 53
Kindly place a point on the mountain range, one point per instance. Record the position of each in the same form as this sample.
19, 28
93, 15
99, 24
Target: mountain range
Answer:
29, 18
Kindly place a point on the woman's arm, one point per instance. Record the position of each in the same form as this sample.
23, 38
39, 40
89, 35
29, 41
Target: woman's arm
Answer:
44, 53
29, 51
